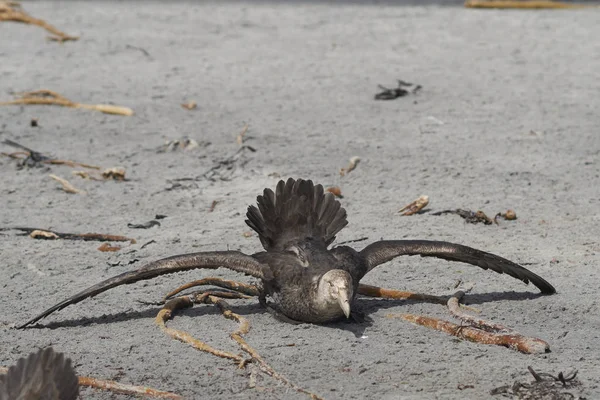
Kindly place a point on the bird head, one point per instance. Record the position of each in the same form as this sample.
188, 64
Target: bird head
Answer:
335, 286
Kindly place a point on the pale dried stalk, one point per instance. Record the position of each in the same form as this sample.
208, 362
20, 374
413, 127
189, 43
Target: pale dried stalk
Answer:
66, 186
240, 137
48, 97
11, 11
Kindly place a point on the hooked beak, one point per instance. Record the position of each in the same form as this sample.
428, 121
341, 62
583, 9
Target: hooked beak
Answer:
344, 301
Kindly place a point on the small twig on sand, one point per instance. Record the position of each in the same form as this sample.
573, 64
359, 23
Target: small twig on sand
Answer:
415, 206
48, 97
66, 185
523, 4
351, 166
11, 11
240, 138
213, 205
37, 233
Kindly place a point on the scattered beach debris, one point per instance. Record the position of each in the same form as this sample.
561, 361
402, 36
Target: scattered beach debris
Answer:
213, 205
108, 247
185, 144
32, 158
351, 166
509, 215
225, 169
191, 105
336, 191
66, 185
115, 173
145, 225
400, 91
545, 386
37, 233
472, 217
415, 206
12, 11
48, 97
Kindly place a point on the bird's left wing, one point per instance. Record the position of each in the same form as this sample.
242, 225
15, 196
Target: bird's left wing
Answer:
233, 260
383, 251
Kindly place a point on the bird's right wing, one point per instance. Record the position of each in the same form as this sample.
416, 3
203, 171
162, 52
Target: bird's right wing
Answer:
233, 260
385, 250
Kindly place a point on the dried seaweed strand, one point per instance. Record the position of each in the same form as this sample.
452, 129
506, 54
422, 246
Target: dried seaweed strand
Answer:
243, 329
529, 4
166, 313
117, 387
246, 289
11, 11
122, 388
374, 291
48, 97
456, 310
37, 233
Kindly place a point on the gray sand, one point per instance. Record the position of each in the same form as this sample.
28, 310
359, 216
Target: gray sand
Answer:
507, 118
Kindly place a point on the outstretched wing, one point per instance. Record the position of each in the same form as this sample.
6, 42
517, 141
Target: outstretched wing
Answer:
44, 375
233, 260
385, 250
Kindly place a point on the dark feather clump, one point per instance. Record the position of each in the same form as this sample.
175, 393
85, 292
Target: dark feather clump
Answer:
297, 210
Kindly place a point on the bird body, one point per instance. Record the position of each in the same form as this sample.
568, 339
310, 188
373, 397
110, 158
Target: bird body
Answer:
301, 278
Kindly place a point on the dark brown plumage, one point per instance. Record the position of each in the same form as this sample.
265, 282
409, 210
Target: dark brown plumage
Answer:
44, 375
305, 280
